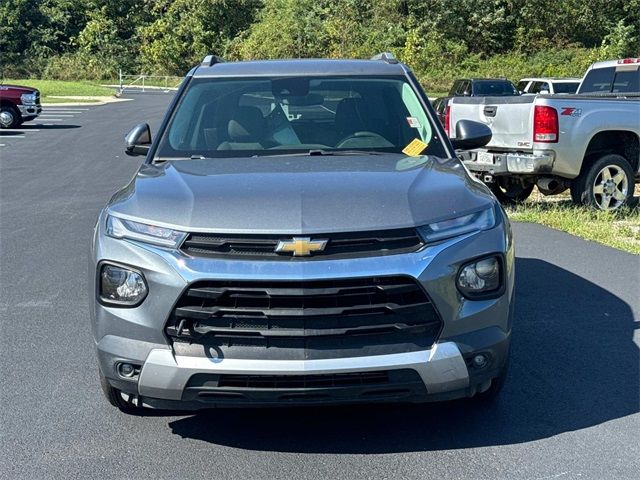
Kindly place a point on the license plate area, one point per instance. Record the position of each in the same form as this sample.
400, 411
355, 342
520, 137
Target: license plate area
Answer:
485, 158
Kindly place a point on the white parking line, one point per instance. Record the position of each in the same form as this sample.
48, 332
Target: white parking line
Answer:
53, 119
56, 115
51, 109
9, 137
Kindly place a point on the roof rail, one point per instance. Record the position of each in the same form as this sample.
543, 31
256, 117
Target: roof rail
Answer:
211, 60
385, 57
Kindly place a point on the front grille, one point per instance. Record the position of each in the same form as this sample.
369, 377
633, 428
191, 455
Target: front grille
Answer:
303, 319
339, 245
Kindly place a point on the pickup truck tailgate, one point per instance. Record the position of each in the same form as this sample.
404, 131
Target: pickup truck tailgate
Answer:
510, 118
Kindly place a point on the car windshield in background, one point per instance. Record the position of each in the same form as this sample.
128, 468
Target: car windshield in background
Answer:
241, 117
492, 88
566, 87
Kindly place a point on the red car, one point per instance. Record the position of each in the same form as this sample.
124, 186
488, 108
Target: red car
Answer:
17, 105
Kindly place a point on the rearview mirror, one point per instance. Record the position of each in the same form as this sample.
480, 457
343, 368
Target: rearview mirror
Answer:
470, 134
138, 140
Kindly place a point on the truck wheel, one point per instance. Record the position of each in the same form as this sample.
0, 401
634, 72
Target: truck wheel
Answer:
510, 191
607, 184
9, 117
114, 397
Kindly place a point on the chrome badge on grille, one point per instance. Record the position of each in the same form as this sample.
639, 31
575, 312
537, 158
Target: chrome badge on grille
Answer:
301, 246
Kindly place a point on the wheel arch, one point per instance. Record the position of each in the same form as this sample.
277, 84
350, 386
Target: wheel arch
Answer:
625, 143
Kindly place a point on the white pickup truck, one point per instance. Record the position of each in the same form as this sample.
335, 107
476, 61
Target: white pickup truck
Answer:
588, 142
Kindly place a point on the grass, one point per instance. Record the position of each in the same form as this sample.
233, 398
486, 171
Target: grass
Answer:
66, 88
619, 230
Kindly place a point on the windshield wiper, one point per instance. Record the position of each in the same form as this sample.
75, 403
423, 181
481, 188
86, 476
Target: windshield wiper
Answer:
319, 153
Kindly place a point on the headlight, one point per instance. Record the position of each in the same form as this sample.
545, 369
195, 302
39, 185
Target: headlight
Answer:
481, 278
28, 98
483, 220
121, 286
165, 237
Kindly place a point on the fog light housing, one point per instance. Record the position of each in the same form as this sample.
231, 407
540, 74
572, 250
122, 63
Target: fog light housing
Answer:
126, 370
481, 278
481, 360
121, 286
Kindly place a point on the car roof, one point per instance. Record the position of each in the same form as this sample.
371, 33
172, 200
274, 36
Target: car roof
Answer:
614, 63
483, 79
550, 79
308, 67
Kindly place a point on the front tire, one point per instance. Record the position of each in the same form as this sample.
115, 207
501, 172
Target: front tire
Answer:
606, 184
490, 394
114, 396
9, 117
510, 191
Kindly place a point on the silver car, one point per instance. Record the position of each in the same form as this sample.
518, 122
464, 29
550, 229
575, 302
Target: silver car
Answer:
300, 233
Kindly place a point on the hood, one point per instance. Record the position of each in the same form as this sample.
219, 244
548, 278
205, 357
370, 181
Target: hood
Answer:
315, 194
19, 88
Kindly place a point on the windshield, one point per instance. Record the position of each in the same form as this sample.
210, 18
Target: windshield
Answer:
240, 117
494, 88
566, 87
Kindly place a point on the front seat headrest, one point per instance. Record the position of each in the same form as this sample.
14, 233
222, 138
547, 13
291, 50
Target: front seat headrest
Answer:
351, 115
247, 125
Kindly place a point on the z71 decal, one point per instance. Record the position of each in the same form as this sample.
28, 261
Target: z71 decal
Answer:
571, 111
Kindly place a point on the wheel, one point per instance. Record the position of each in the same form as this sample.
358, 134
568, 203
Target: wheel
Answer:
606, 184
114, 396
510, 191
9, 117
494, 389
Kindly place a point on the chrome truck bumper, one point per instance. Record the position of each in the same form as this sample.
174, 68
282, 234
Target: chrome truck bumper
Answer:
502, 163
29, 112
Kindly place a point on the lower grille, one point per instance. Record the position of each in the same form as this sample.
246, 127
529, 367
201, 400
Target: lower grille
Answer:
303, 381
303, 319
234, 390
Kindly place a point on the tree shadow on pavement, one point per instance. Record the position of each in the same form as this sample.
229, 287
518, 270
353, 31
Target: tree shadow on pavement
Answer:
574, 365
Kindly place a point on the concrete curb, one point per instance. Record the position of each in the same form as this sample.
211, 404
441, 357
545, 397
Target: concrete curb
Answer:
97, 100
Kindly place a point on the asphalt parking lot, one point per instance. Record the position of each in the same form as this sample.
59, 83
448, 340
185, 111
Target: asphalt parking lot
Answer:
570, 408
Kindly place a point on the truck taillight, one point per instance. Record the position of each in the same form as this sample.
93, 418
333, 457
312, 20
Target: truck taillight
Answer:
447, 120
629, 60
545, 124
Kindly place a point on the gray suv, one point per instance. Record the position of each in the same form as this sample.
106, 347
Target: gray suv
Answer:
301, 233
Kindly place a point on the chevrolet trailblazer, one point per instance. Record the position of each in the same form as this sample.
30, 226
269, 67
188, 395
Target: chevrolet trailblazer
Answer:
301, 232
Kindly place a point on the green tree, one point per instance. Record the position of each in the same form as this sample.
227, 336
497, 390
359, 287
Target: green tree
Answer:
184, 31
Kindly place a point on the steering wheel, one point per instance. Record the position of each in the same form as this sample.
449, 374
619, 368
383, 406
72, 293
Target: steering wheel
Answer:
372, 139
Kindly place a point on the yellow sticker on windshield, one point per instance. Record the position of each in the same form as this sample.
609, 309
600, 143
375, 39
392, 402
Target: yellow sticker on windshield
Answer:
414, 148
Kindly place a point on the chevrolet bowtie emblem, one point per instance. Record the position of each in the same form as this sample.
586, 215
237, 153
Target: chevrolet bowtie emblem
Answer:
300, 246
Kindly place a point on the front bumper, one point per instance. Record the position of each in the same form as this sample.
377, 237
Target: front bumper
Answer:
136, 335
504, 163
29, 112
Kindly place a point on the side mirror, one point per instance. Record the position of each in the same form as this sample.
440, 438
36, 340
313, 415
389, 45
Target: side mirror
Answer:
466, 93
470, 134
138, 140
544, 92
